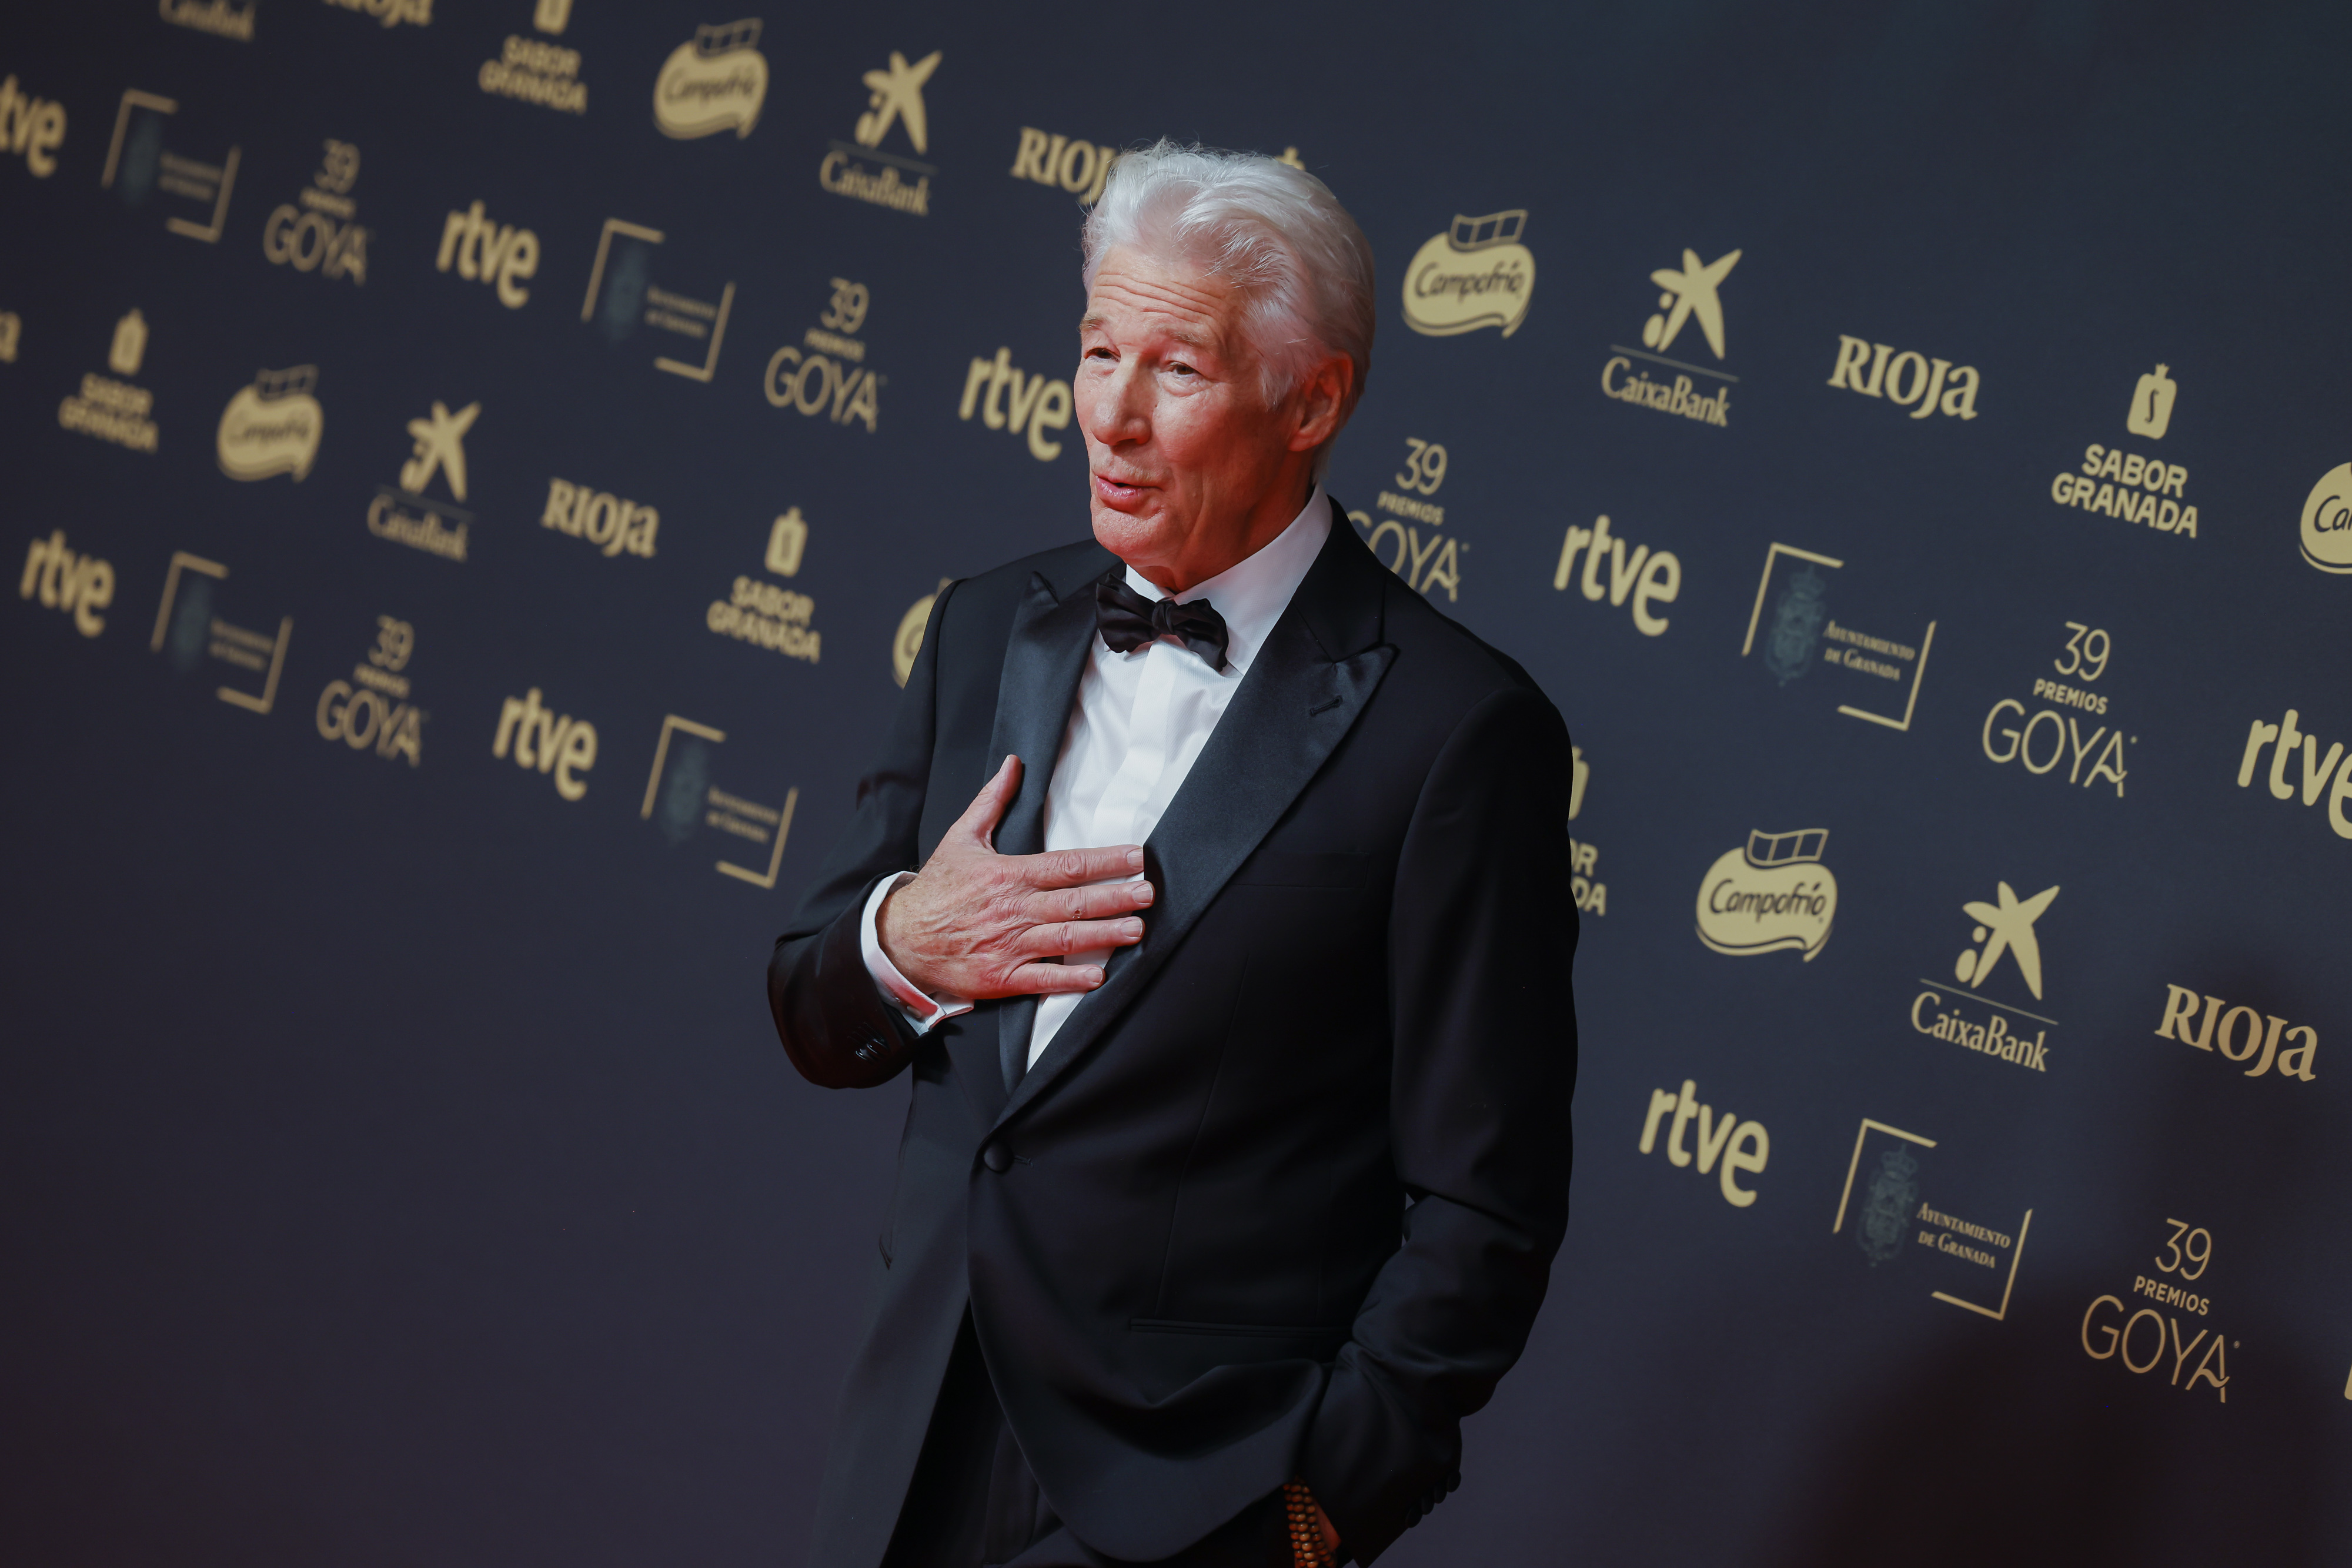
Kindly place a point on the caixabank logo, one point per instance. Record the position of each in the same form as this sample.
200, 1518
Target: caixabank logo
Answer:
714, 82
406, 514
144, 162
1971, 1013
1932, 1219
1872, 671
1688, 293
894, 101
1772, 894
191, 632
1475, 273
2135, 486
686, 800
633, 286
221, 18
272, 426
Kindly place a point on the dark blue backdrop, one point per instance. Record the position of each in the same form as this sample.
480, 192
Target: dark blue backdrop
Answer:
396, 1165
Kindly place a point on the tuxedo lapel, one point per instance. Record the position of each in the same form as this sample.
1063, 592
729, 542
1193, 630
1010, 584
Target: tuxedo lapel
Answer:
1053, 633
1303, 693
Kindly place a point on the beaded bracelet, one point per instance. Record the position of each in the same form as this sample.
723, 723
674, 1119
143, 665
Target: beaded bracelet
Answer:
1306, 1530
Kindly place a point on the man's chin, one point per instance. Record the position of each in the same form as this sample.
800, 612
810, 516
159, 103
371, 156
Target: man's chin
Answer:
1130, 536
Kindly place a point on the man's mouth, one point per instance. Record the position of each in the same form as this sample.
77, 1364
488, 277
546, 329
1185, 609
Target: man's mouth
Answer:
1115, 490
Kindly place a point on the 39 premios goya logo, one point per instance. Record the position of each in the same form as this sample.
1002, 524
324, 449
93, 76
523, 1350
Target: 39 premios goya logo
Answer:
2165, 1324
825, 373
405, 513
2063, 731
271, 426
1998, 970
1935, 1218
319, 231
1475, 273
1691, 292
373, 710
716, 82
1773, 895
635, 284
894, 101
1426, 561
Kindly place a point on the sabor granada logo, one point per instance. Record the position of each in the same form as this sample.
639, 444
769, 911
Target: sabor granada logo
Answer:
1772, 896
272, 426
1477, 273
715, 83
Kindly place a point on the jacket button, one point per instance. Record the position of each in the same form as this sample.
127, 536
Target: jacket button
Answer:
997, 1158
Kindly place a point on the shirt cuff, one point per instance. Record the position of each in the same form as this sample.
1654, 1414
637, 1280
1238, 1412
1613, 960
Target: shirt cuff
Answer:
923, 1012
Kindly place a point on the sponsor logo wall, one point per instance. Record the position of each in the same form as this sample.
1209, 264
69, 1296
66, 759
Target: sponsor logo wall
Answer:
1946, 598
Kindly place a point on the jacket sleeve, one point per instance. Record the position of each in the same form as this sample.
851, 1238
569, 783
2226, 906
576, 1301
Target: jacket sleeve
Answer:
1482, 933
834, 1022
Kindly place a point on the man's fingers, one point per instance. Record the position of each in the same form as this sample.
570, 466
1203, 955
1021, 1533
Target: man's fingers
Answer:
1065, 937
1072, 868
1052, 979
1099, 901
979, 820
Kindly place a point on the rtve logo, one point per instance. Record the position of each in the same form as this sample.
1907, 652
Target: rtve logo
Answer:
1647, 576
2291, 741
1077, 166
499, 255
1726, 1145
30, 128
548, 741
1034, 406
79, 585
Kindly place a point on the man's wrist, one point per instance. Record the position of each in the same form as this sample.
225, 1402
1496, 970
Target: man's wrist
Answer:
921, 1010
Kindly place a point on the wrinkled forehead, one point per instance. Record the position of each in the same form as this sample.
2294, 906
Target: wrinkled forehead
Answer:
1138, 293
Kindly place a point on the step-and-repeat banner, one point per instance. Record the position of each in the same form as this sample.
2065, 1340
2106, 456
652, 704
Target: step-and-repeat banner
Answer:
481, 468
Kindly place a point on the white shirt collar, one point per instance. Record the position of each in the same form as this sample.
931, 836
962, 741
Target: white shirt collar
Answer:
1253, 593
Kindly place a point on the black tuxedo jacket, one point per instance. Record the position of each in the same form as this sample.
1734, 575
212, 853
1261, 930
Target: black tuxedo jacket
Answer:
1282, 1197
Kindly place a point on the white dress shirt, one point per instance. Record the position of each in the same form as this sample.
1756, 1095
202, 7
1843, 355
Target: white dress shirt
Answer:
1138, 725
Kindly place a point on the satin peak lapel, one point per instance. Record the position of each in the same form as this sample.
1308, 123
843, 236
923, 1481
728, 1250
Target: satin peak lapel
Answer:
1052, 635
1296, 705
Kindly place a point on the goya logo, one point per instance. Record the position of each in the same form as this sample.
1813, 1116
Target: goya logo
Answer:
718, 81
272, 426
1772, 896
2327, 521
1475, 273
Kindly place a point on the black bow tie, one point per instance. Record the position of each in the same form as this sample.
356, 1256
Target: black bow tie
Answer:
1128, 620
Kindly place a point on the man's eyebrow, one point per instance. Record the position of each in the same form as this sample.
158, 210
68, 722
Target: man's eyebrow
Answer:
1192, 338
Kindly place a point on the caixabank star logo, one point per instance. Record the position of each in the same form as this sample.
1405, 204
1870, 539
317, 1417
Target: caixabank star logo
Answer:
406, 514
1971, 1013
1689, 293
894, 101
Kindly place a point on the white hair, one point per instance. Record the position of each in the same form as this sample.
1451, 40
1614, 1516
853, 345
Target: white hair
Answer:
1274, 232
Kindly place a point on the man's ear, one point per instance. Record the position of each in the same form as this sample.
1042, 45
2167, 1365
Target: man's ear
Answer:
1320, 402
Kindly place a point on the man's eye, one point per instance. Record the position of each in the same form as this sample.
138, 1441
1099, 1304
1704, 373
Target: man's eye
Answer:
1100, 353
1178, 368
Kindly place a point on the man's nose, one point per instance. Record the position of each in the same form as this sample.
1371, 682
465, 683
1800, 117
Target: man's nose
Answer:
1118, 415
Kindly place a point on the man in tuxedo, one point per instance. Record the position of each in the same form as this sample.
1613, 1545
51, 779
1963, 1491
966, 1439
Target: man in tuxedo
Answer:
1236, 1001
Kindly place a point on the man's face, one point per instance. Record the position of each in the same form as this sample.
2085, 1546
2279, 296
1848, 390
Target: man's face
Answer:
1186, 463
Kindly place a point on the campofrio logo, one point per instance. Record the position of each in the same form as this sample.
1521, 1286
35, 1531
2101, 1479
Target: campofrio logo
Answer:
1477, 273
717, 81
1772, 896
272, 426
2327, 522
